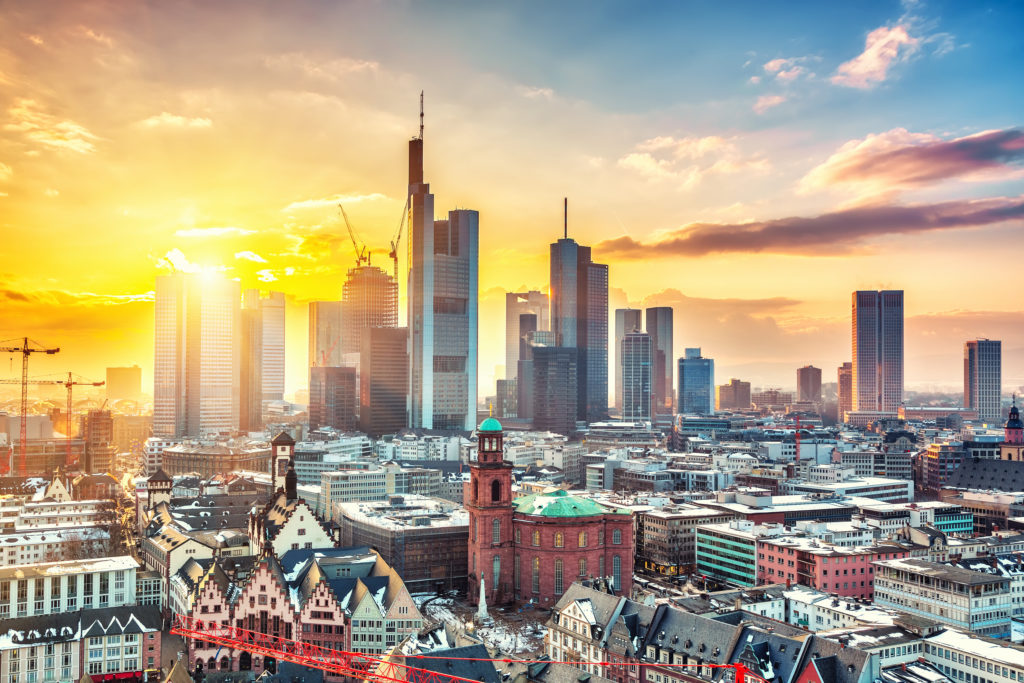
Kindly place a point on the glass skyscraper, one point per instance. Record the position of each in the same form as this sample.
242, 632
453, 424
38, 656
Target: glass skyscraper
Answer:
983, 377
878, 350
635, 377
696, 383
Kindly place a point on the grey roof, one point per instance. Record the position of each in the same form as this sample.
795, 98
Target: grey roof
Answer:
690, 634
454, 662
848, 664
995, 475
950, 573
129, 619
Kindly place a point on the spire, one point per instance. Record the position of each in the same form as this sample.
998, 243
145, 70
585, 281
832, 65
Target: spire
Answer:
421, 114
565, 217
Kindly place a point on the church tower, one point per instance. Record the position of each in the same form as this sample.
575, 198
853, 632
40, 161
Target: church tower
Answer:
1012, 447
488, 499
282, 450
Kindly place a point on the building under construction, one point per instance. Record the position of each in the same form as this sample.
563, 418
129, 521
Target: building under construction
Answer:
369, 299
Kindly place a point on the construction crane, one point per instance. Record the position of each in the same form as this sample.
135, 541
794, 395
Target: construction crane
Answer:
362, 255
67, 432
27, 348
398, 236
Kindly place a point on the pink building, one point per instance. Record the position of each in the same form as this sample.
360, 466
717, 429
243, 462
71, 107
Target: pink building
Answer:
846, 572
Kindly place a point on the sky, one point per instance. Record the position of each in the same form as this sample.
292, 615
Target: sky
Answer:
750, 164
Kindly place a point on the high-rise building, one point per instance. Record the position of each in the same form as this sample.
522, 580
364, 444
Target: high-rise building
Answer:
877, 350
808, 384
579, 319
516, 305
626, 320
635, 379
555, 394
272, 374
525, 383
443, 285
696, 383
98, 434
325, 333
250, 381
124, 383
369, 299
660, 326
384, 381
196, 358
845, 390
332, 398
733, 396
983, 377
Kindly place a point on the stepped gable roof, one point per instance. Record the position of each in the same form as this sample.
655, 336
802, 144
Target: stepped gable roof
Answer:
560, 503
118, 620
462, 662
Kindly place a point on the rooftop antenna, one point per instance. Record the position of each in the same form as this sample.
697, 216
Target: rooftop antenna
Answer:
421, 114
565, 217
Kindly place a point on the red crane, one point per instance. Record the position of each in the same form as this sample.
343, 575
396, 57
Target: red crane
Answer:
27, 348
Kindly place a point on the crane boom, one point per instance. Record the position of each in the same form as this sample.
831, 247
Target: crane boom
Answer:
398, 236
25, 350
361, 255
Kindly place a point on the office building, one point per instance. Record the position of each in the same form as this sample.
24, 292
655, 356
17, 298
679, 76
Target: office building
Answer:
579, 319
272, 353
98, 434
196, 358
555, 393
877, 350
626, 320
332, 398
637, 351
983, 377
660, 327
525, 381
518, 304
733, 396
808, 384
383, 380
369, 299
325, 333
845, 384
696, 383
250, 359
443, 285
124, 383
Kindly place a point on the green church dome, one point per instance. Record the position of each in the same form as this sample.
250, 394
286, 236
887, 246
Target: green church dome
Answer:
490, 425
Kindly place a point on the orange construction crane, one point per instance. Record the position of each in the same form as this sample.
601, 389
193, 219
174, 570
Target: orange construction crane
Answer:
27, 348
68, 384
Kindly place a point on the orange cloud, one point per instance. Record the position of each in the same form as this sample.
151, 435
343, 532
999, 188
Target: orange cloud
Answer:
883, 47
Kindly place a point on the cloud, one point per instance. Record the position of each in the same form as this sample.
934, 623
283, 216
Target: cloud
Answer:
266, 275
900, 159
320, 69
885, 46
766, 102
687, 160
213, 232
48, 130
333, 201
755, 80
35, 40
176, 261
6, 172
250, 256
536, 93
94, 36
57, 297
788, 69
50, 192
166, 119
837, 230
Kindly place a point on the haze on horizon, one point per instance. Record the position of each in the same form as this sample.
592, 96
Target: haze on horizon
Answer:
750, 166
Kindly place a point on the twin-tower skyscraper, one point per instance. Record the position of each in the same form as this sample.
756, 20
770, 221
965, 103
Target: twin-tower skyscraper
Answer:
443, 306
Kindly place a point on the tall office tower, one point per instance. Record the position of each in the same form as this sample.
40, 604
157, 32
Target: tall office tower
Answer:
325, 333
384, 380
196, 358
250, 380
636, 377
516, 305
983, 377
443, 285
696, 383
845, 390
332, 398
272, 375
878, 350
626, 320
506, 398
660, 326
524, 372
733, 396
369, 299
579, 319
555, 394
808, 384
124, 383
98, 434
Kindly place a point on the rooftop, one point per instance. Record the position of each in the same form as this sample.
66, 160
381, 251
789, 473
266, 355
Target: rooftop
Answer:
100, 564
941, 571
559, 503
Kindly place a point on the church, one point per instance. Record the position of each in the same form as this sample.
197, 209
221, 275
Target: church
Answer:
533, 548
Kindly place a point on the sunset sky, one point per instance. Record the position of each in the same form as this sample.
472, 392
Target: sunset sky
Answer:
750, 164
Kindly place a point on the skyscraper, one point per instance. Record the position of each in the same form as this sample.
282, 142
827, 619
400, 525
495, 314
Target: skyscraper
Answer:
555, 394
878, 350
443, 284
626, 320
332, 398
272, 313
369, 299
517, 304
845, 390
579, 319
983, 377
660, 326
325, 333
383, 381
696, 383
808, 384
530, 338
635, 378
733, 396
196, 357
261, 347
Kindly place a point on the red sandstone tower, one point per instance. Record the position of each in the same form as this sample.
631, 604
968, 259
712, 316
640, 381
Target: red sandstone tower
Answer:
488, 499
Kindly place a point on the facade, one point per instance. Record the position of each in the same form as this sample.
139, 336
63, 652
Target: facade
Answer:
518, 304
733, 396
877, 350
670, 539
332, 398
696, 383
384, 381
844, 571
369, 299
808, 384
261, 338
845, 390
207, 458
627, 320
325, 333
98, 435
443, 286
939, 462
196, 359
636, 376
555, 393
728, 552
660, 326
983, 377
124, 383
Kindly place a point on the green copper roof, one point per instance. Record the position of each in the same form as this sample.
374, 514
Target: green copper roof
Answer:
560, 504
490, 425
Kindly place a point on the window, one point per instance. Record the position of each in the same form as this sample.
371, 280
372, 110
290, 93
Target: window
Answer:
536, 575
496, 531
558, 577
559, 540
515, 572
583, 539
536, 538
617, 537
583, 566
495, 491
617, 572
496, 571
519, 537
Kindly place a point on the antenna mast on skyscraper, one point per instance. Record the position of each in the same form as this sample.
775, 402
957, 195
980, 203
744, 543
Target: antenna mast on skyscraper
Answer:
421, 114
565, 217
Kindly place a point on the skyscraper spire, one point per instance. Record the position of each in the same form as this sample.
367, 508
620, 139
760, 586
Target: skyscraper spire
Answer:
421, 114
565, 217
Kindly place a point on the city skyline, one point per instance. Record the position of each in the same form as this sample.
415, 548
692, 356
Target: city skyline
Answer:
237, 156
